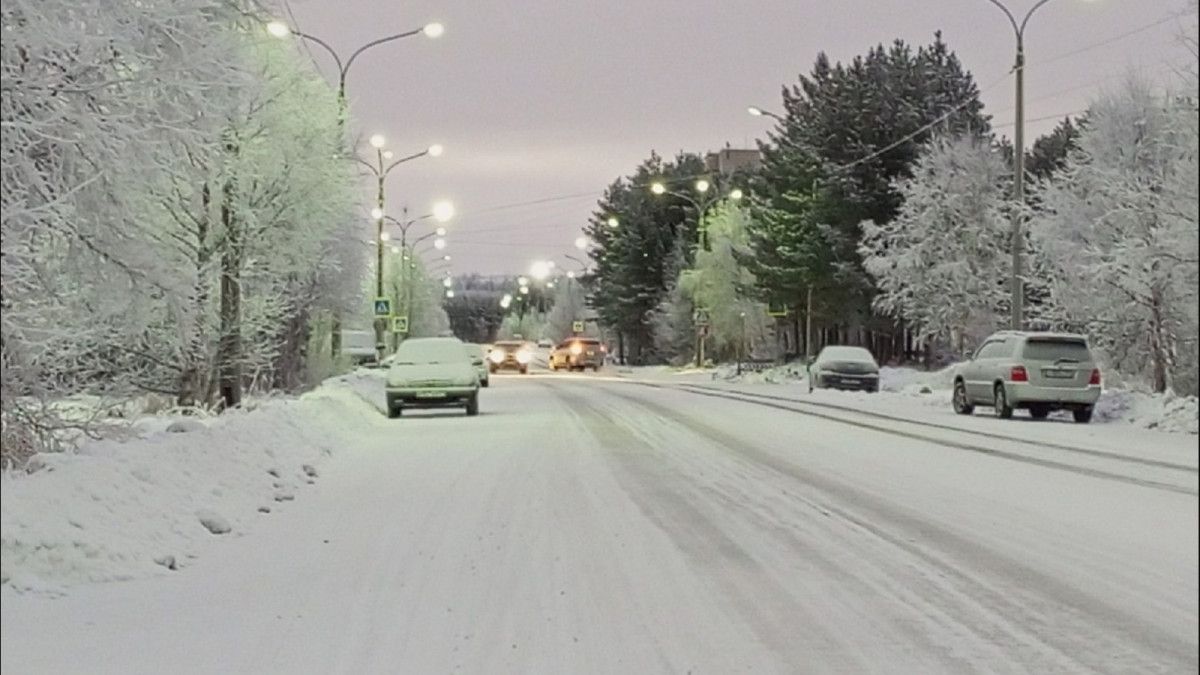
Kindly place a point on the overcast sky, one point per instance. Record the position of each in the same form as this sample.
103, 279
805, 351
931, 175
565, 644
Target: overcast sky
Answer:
537, 99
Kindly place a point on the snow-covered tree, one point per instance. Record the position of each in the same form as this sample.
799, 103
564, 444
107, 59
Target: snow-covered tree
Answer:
717, 282
943, 264
1118, 226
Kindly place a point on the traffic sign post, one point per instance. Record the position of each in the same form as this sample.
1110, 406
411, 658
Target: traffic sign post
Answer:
383, 307
400, 324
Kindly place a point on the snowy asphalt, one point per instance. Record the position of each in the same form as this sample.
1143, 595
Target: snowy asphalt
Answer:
583, 525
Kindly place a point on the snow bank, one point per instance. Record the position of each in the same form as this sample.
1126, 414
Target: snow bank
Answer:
118, 510
1163, 412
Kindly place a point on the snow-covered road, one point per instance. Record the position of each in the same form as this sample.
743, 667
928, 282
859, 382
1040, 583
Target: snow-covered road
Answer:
582, 525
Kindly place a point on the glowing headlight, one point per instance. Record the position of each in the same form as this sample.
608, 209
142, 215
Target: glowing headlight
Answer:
524, 356
576, 349
496, 356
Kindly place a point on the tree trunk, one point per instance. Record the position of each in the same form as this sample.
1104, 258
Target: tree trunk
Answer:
192, 380
1159, 358
229, 352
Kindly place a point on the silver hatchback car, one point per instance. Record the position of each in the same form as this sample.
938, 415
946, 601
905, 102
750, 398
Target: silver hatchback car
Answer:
1040, 372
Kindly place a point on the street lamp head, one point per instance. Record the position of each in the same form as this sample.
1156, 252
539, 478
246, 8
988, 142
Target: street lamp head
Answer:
433, 30
581, 243
449, 294
524, 290
384, 236
658, 188
443, 211
755, 110
376, 213
441, 232
571, 274
447, 282
439, 243
613, 222
278, 29
736, 194
435, 150
539, 270
377, 141
522, 281
388, 154
446, 258
395, 250
702, 186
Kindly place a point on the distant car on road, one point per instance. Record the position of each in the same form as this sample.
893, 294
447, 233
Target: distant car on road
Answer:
478, 357
840, 367
359, 346
545, 343
510, 355
1040, 372
431, 373
578, 353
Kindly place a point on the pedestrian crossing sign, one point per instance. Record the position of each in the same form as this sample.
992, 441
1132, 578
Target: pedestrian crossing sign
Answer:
577, 326
383, 307
399, 324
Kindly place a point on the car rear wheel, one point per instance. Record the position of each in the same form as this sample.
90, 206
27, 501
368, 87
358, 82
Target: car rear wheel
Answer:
962, 405
395, 411
1083, 415
473, 405
1039, 412
1003, 409
484, 382
524, 371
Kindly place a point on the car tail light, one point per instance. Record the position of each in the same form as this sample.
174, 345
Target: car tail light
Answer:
1095, 379
1018, 374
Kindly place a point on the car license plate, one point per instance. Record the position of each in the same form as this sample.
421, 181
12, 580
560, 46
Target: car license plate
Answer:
430, 394
1059, 374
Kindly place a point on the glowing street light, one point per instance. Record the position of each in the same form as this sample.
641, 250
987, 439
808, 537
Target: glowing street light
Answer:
736, 194
377, 141
522, 281
570, 274
447, 282
524, 290
613, 222
449, 294
395, 250
376, 213
443, 211
539, 270
581, 243
388, 154
658, 188
435, 150
755, 110
384, 236
433, 30
441, 232
278, 29
702, 186
439, 243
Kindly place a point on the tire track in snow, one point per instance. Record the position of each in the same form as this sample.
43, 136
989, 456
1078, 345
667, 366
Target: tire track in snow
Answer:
1088, 621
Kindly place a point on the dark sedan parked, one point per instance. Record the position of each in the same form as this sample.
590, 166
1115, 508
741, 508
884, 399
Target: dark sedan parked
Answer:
844, 368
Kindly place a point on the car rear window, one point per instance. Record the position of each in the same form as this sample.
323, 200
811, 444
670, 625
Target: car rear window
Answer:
1056, 349
509, 346
847, 354
429, 350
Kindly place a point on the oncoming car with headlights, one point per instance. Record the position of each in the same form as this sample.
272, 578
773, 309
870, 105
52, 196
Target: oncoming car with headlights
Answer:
578, 354
510, 355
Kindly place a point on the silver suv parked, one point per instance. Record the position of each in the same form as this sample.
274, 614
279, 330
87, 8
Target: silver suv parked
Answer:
1040, 372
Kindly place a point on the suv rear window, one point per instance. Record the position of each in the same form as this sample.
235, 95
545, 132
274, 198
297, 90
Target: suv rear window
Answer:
1053, 350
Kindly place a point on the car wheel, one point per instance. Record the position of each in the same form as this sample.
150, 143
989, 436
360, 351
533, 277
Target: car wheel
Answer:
1003, 409
395, 411
484, 382
473, 405
1039, 412
962, 405
524, 371
1083, 415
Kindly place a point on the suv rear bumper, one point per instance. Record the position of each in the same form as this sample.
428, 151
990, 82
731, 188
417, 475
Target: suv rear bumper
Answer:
1023, 392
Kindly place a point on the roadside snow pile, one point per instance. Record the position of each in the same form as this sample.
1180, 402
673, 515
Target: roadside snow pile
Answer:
786, 373
913, 381
120, 510
1164, 412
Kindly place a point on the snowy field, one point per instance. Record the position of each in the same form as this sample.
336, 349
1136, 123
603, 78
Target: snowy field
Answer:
585, 524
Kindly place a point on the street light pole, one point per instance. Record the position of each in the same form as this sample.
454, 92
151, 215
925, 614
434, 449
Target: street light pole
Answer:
1017, 281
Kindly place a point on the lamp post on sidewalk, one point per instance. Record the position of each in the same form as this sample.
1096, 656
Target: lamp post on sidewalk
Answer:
1017, 281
